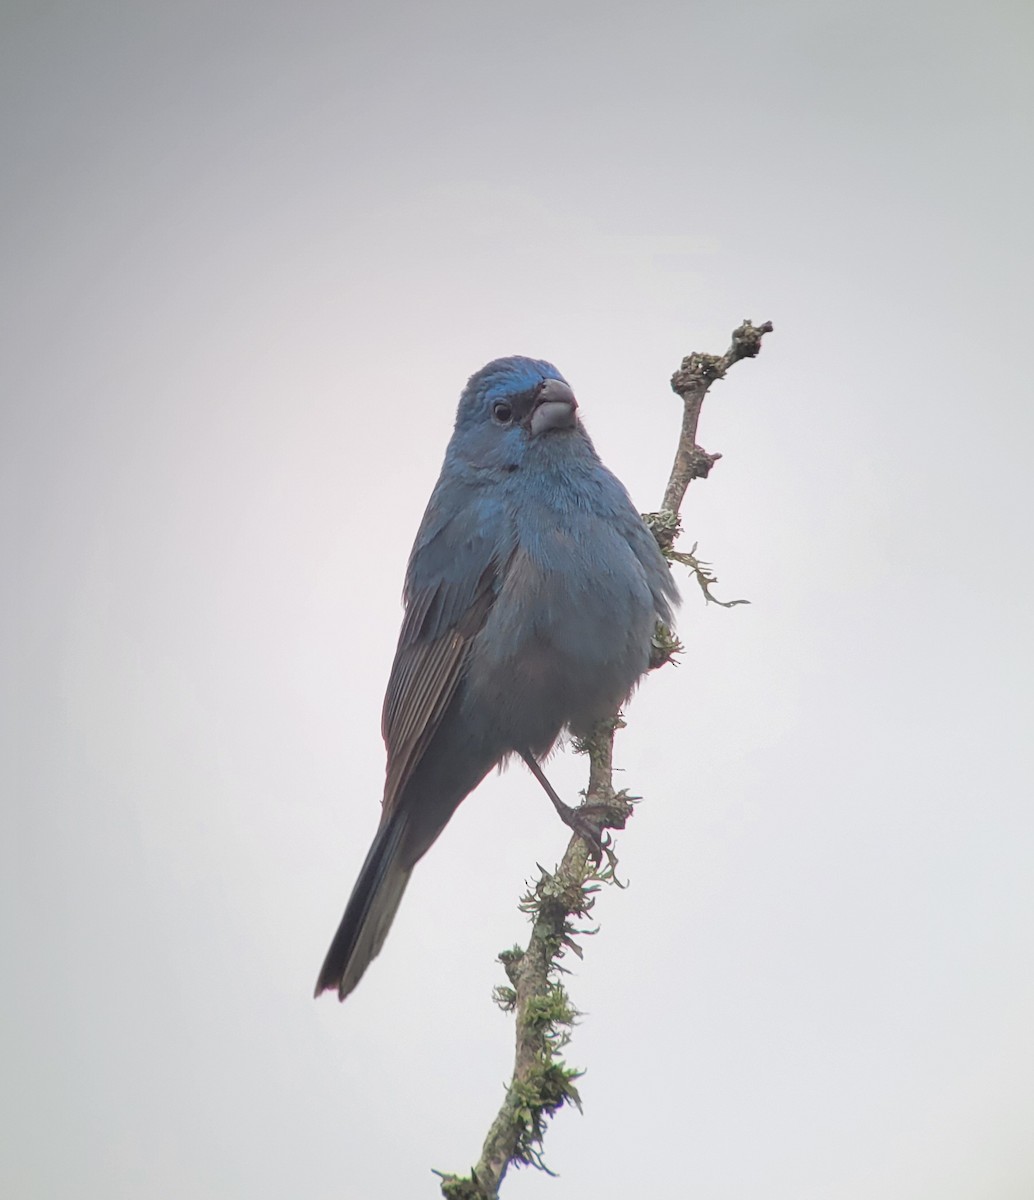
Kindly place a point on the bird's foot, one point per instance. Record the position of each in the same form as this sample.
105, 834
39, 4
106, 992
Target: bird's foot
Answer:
589, 822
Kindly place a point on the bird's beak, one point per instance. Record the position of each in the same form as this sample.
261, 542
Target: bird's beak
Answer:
555, 408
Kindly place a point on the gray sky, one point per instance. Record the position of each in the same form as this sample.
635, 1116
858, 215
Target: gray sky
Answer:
250, 254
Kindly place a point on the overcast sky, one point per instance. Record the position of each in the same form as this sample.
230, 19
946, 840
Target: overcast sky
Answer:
250, 254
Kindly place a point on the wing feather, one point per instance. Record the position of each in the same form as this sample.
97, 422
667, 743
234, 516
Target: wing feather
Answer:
428, 667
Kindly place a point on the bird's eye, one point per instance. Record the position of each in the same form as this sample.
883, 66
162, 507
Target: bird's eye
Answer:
502, 413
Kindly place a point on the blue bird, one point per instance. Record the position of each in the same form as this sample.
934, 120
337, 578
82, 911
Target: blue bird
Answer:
531, 598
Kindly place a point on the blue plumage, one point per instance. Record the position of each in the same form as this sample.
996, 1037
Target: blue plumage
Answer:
531, 596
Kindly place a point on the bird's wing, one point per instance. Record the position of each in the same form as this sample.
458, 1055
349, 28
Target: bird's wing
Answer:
449, 594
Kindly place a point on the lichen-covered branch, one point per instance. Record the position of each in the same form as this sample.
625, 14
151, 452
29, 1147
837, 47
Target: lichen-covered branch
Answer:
561, 900
558, 903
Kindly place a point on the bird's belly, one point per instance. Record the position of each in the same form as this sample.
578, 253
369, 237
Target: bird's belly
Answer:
560, 648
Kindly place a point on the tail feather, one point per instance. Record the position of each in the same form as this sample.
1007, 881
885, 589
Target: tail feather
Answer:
370, 910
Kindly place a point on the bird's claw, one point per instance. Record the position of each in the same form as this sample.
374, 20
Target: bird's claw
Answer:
589, 822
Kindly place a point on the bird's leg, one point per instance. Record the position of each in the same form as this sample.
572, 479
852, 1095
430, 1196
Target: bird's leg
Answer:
577, 821
566, 812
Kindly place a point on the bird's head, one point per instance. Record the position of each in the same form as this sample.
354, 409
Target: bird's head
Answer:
511, 404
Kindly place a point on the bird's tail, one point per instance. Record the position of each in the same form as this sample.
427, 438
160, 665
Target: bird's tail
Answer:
370, 910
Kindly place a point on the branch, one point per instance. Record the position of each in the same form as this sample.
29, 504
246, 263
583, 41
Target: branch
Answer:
692, 381
542, 1083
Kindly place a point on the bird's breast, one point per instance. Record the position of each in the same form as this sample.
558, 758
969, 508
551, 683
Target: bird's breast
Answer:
566, 639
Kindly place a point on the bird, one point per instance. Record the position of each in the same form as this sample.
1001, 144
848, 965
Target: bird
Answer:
531, 599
